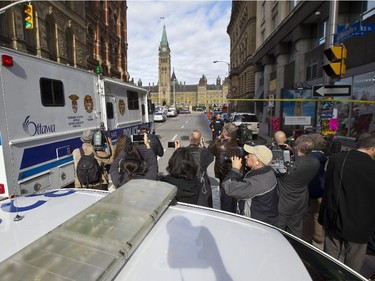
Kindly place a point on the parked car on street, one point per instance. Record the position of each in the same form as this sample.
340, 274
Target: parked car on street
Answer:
172, 112
184, 111
160, 116
139, 232
249, 119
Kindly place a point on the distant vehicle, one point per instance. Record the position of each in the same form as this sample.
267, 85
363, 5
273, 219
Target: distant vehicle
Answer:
199, 109
216, 112
160, 116
172, 112
224, 116
185, 111
250, 119
137, 233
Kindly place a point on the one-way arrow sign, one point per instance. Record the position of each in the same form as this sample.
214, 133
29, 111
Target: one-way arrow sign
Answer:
332, 90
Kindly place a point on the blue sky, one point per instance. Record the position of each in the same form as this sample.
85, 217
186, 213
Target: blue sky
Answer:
197, 35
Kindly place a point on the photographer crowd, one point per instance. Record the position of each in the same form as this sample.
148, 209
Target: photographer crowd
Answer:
319, 197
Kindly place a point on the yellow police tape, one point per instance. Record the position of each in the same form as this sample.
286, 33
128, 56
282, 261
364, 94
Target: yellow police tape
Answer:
307, 100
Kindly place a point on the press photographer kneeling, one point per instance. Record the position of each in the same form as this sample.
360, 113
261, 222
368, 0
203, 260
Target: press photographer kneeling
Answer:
257, 190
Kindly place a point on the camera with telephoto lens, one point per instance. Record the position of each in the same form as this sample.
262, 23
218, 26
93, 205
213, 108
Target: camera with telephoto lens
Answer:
235, 151
244, 135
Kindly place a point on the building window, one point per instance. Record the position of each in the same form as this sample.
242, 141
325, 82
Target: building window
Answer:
69, 46
133, 103
292, 4
3, 26
322, 26
52, 92
110, 111
102, 48
275, 20
263, 11
111, 54
262, 35
51, 37
101, 11
90, 42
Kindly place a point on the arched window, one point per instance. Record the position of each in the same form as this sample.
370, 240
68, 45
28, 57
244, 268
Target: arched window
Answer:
69, 41
51, 37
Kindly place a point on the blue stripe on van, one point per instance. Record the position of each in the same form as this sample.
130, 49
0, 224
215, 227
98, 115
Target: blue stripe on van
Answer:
47, 152
37, 155
45, 167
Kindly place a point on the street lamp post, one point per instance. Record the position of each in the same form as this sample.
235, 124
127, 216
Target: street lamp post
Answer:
174, 93
216, 61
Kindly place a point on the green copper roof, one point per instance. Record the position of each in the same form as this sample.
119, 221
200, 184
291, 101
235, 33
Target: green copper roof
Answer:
164, 39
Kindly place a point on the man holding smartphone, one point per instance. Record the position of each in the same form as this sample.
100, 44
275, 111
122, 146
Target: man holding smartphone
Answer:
203, 158
154, 141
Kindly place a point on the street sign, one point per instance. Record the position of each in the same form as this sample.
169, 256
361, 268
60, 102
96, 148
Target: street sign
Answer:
332, 90
356, 29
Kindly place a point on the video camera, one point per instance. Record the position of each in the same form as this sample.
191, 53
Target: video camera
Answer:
244, 135
237, 151
100, 138
282, 161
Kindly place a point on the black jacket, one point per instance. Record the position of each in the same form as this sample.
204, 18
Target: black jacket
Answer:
205, 159
155, 144
188, 190
293, 191
348, 210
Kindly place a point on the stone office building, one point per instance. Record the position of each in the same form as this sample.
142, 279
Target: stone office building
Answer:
291, 37
83, 34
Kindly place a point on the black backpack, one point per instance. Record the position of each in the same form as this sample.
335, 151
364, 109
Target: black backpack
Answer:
88, 169
204, 195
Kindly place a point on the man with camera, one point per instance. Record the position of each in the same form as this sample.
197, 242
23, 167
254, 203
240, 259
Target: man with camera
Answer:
203, 158
93, 179
293, 187
154, 141
257, 189
225, 143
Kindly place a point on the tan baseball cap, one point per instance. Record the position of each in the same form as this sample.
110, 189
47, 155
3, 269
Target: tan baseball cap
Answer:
262, 152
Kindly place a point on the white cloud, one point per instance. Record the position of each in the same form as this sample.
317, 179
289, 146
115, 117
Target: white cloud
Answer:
197, 35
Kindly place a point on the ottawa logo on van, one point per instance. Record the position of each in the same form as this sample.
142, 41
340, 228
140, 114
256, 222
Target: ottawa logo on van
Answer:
32, 128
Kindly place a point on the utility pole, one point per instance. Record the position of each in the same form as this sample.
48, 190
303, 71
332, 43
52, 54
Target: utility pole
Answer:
331, 30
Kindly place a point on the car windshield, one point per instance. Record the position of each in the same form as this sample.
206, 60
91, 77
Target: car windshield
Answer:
319, 266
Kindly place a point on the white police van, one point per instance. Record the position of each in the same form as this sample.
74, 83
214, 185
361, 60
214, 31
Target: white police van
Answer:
44, 108
138, 233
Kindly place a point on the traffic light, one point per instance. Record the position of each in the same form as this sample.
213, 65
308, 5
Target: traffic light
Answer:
28, 15
337, 67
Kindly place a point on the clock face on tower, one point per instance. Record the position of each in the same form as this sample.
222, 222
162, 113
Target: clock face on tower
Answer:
164, 49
